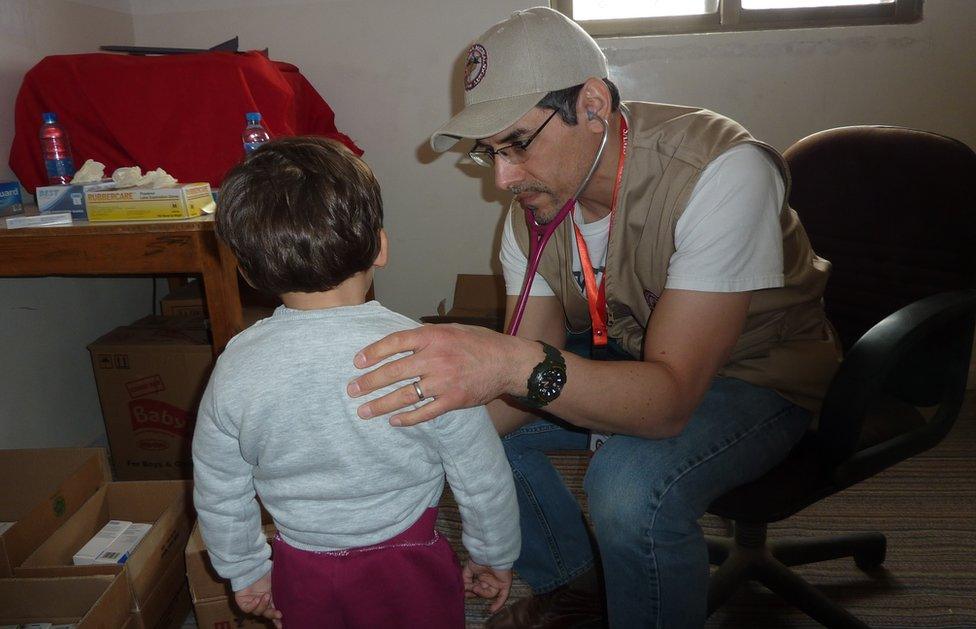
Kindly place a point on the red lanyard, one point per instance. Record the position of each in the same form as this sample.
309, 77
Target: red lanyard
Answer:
596, 297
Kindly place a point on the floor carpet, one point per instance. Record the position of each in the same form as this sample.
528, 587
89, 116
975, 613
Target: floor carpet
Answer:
926, 507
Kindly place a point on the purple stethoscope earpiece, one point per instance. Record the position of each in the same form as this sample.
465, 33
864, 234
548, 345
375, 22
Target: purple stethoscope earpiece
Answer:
539, 234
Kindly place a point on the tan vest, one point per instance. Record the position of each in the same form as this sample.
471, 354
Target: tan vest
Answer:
786, 344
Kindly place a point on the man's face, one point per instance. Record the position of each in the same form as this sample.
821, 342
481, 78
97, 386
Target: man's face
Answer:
548, 170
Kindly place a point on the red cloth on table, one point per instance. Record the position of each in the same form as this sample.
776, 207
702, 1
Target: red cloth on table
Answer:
183, 113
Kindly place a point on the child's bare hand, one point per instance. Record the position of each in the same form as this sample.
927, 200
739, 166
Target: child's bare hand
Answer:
486, 582
256, 599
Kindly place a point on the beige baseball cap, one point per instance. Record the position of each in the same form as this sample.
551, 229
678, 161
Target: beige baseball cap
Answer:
513, 65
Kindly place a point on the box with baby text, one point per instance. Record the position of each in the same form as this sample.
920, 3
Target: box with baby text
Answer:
150, 376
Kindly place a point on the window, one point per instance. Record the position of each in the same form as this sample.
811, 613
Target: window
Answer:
622, 18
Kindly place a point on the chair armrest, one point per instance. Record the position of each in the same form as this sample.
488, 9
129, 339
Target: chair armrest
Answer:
940, 329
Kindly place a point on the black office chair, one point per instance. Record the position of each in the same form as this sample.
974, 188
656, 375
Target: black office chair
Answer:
892, 210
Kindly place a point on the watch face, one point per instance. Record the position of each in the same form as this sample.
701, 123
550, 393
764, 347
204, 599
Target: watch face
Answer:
550, 383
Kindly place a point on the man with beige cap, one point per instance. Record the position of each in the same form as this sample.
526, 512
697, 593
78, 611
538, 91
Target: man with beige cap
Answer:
689, 349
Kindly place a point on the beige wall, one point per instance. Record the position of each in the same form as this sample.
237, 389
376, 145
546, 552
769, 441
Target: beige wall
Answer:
386, 69
47, 392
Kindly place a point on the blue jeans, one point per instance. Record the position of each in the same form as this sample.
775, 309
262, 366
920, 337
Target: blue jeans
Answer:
645, 498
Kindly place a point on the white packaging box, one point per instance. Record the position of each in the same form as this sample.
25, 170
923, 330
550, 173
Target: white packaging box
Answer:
119, 550
102, 540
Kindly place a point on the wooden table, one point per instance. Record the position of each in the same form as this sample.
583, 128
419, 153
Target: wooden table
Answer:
186, 246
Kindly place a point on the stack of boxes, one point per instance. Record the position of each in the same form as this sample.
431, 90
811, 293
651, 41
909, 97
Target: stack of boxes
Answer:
56, 500
101, 201
77, 548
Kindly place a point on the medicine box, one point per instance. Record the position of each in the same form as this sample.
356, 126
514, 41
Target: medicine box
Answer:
69, 198
10, 202
119, 550
103, 539
137, 204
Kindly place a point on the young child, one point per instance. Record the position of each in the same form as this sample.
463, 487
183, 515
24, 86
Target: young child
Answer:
354, 501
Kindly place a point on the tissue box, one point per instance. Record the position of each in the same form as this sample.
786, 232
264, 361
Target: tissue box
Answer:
10, 199
69, 198
141, 204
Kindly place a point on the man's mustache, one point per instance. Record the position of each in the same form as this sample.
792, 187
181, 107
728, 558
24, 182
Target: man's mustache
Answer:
519, 189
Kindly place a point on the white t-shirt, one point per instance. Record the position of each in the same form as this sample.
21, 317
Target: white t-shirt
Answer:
727, 240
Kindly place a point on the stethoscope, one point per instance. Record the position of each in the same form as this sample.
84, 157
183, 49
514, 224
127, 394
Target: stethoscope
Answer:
539, 234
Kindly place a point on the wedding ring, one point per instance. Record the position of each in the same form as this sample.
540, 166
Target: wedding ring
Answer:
420, 394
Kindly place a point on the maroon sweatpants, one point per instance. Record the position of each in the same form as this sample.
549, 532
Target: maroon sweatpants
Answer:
411, 581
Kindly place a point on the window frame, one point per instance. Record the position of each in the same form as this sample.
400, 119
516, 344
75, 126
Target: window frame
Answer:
731, 17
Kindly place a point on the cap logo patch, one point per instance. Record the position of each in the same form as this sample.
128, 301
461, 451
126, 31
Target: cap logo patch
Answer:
475, 66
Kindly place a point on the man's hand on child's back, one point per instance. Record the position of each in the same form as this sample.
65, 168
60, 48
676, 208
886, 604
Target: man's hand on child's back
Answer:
256, 599
486, 582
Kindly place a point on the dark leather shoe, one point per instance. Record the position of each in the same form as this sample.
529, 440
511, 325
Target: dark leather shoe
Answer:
563, 608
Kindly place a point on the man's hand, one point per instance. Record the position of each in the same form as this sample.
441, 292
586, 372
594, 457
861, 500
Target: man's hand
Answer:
459, 366
256, 599
485, 582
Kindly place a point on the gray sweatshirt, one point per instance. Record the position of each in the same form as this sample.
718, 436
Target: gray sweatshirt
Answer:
275, 419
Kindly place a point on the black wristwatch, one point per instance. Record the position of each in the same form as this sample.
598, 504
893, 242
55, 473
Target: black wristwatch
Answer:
547, 379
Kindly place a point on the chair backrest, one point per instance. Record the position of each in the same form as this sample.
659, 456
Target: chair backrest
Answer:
894, 211
891, 209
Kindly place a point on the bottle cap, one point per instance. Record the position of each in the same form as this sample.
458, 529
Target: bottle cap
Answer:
49, 117
254, 117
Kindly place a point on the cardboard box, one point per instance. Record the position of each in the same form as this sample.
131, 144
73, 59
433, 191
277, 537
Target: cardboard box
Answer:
139, 204
213, 600
92, 602
150, 376
478, 300
222, 613
68, 198
163, 606
181, 606
10, 201
187, 300
40, 490
205, 584
157, 562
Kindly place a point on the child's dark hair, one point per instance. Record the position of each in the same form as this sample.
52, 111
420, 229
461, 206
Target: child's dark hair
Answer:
302, 214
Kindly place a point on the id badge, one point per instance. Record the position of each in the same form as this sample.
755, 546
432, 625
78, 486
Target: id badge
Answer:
597, 440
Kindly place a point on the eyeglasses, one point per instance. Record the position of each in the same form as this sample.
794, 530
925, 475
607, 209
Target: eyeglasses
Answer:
513, 153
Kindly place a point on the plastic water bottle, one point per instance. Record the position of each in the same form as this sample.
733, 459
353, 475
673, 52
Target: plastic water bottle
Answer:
254, 133
56, 151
